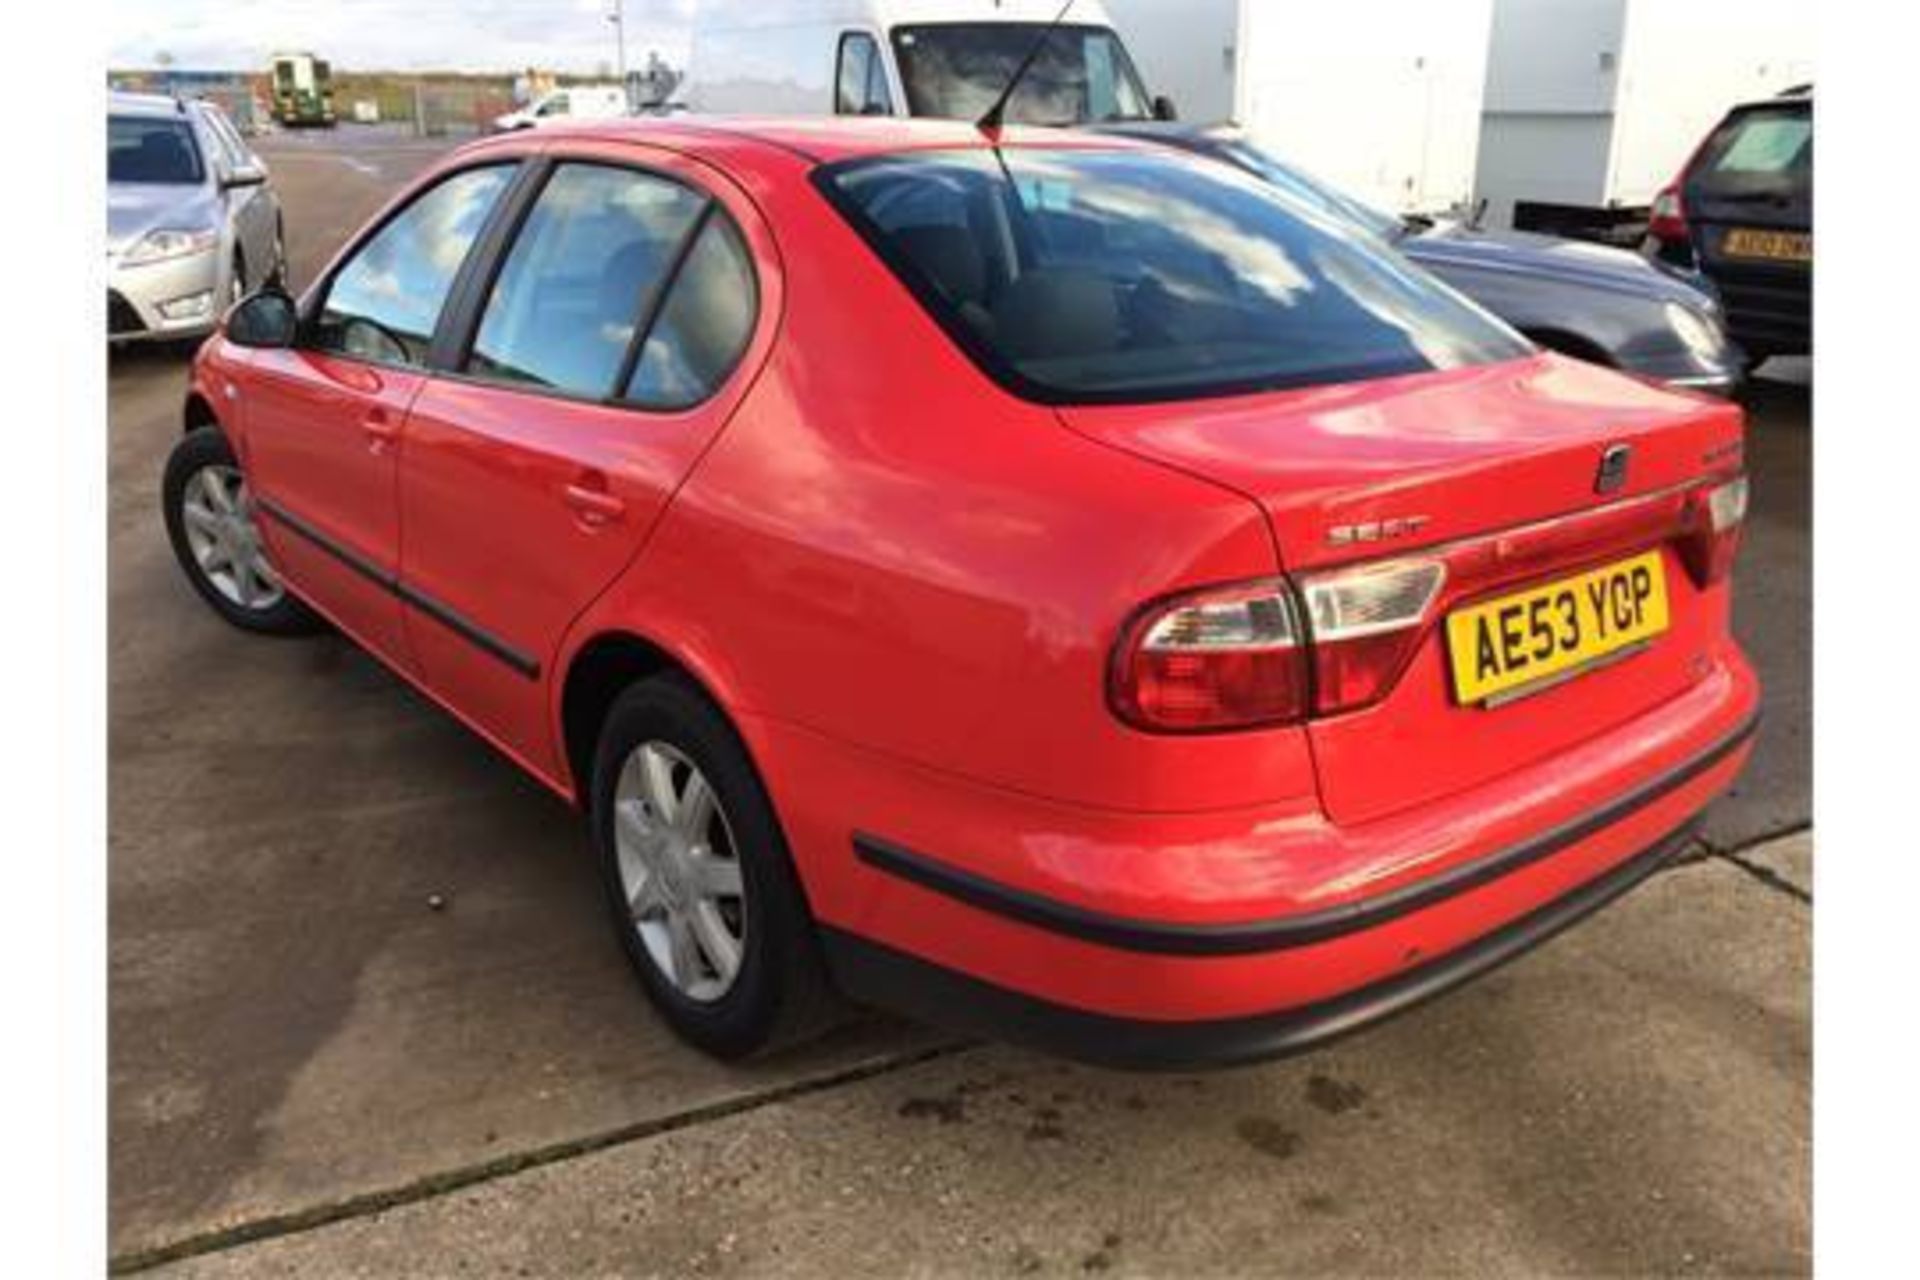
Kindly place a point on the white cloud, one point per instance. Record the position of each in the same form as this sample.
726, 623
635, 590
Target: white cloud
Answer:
400, 35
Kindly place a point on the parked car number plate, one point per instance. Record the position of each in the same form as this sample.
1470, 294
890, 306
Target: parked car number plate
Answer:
1781, 246
1500, 646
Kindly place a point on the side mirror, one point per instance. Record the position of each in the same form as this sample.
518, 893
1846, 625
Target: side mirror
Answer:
248, 175
1163, 108
267, 318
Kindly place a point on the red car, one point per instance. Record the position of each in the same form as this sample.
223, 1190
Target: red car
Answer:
1059, 588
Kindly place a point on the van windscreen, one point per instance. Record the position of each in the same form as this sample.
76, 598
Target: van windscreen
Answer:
955, 71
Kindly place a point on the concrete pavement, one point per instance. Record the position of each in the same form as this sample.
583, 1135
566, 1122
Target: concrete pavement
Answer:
297, 1037
1633, 1099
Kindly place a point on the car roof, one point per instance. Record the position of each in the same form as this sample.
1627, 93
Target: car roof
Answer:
826, 139
122, 103
1800, 95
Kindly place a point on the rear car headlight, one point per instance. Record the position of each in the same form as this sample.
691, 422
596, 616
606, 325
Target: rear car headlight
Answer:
1667, 218
1235, 657
1221, 659
1366, 624
167, 242
1716, 516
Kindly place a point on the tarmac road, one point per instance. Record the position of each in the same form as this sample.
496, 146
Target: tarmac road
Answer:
312, 1069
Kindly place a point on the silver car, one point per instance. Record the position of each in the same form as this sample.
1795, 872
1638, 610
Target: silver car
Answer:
192, 223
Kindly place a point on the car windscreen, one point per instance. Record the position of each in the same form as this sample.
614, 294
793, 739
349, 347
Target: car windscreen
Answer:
1090, 276
955, 71
152, 149
1758, 153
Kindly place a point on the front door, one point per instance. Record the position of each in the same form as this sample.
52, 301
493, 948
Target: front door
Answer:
325, 419
599, 367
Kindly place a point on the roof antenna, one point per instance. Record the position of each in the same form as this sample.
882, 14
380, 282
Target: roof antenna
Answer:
992, 120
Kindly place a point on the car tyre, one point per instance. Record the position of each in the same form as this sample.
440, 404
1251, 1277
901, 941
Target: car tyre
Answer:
661, 735
209, 515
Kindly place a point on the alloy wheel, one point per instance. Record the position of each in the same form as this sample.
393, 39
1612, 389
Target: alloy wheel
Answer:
679, 871
217, 514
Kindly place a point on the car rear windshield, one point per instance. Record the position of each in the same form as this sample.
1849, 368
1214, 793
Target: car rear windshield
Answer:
149, 149
1090, 276
955, 71
1763, 151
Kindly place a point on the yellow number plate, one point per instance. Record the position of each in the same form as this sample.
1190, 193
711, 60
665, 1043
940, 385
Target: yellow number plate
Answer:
1781, 246
1503, 645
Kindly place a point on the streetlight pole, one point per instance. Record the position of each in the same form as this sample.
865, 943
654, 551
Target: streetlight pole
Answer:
617, 15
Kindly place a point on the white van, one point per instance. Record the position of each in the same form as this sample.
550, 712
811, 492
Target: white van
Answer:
575, 102
944, 58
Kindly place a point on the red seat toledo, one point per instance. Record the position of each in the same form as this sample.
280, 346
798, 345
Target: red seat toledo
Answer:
1059, 588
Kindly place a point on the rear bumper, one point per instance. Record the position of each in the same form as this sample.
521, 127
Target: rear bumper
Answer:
879, 975
1767, 314
1160, 940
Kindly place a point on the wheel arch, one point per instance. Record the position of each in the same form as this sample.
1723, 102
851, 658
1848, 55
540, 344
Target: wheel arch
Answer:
600, 668
198, 412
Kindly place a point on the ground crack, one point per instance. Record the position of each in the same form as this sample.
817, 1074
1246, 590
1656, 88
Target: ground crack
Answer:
439, 1184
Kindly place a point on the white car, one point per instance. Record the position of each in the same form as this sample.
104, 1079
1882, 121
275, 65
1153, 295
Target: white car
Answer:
576, 102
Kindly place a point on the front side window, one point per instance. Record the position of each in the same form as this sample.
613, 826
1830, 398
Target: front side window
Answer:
155, 149
554, 105
705, 326
956, 70
231, 148
384, 303
1089, 276
861, 86
597, 245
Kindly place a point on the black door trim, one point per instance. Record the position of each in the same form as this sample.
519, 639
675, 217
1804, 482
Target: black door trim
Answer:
452, 619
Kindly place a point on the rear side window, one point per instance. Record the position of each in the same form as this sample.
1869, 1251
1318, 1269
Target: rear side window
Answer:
596, 246
1089, 276
703, 329
384, 303
861, 85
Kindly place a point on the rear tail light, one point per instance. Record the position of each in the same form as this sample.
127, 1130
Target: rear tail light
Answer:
1715, 518
1668, 217
1366, 624
1240, 656
1222, 659
1274, 652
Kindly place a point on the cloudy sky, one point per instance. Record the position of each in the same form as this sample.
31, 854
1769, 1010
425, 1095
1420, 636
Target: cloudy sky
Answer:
564, 35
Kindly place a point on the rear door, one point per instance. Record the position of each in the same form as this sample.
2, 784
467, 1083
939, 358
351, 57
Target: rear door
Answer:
325, 416
600, 355
1749, 201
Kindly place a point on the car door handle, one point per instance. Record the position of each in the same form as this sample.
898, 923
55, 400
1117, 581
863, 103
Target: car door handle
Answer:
380, 428
593, 504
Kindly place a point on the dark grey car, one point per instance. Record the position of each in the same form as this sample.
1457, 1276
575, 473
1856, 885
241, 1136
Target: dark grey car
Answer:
1610, 306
